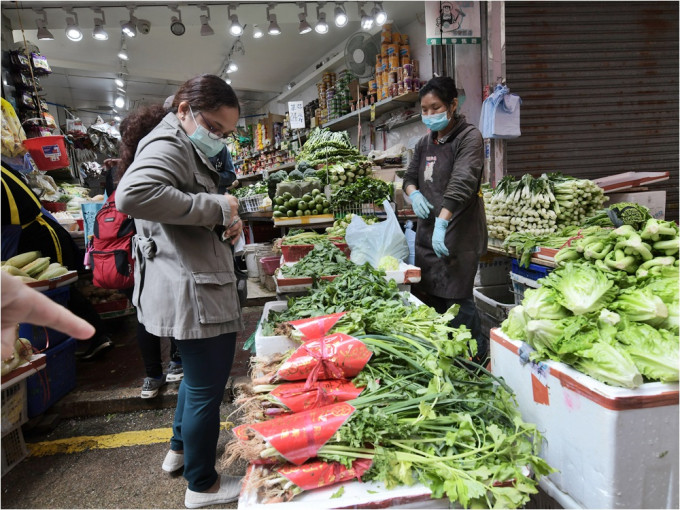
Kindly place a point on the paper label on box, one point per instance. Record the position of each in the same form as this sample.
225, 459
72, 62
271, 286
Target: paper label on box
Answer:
539, 375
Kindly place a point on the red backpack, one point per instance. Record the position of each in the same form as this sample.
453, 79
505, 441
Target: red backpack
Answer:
111, 254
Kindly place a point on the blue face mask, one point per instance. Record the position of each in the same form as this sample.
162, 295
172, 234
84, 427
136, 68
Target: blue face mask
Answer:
436, 121
202, 141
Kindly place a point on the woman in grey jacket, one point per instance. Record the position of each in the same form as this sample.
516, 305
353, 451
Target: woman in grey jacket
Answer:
185, 286
443, 182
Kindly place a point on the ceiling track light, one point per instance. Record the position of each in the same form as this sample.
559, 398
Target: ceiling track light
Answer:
236, 29
257, 32
120, 81
366, 20
321, 26
176, 25
227, 80
340, 15
304, 27
123, 53
73, 31
98, 32
379, 14
43, 33
119, 102
274, 28
232, 67
129, 28
206, 29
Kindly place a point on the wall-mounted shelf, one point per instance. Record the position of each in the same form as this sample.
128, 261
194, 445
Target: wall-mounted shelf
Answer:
410, 120
381, 107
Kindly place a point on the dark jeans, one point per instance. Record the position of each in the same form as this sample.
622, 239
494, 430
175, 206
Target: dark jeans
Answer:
467, 316
207, 364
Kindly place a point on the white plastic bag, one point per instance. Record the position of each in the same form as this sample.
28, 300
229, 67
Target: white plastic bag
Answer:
370, 243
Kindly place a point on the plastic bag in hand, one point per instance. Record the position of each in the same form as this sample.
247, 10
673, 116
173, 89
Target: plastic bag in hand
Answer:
370, 243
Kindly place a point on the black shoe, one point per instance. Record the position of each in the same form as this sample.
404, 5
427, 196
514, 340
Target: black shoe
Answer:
97, 347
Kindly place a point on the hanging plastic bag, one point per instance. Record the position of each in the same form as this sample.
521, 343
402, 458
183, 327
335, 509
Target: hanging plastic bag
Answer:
370, 243
500, 114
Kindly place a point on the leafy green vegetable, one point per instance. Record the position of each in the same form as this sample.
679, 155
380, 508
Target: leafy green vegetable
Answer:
610, 365
515, 325
654, 352
541, 303
581, 288
641, 305
325, 259
388, 263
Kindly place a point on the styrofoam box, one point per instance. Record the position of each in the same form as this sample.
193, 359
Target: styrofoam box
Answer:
612, 447
270, 345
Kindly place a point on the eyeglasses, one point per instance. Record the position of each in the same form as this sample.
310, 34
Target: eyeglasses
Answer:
214, 133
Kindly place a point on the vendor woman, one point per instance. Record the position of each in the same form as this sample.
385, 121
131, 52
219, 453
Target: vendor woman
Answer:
443, 182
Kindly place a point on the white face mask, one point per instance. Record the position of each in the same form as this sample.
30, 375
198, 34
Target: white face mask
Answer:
202, 140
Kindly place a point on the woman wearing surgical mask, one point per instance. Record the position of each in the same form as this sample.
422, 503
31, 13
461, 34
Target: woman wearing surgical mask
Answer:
443, 182
185, 286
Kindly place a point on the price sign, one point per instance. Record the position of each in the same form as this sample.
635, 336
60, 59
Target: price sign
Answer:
372, 113
297, 114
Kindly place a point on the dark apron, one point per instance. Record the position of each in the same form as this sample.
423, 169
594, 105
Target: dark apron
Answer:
452, 276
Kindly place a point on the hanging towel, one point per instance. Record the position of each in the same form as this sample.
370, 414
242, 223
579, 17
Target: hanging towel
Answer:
500, 114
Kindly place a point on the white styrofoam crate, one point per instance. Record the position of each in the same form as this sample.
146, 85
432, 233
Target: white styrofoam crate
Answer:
269, 345
612, 447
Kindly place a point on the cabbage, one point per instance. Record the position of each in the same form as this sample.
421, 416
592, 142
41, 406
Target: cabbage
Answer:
544, 335
515, 325
654, 352
388, 263
641, 305
581, 288
666, 286
610, 365
541, 303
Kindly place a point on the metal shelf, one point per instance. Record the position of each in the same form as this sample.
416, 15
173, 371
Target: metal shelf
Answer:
381, 107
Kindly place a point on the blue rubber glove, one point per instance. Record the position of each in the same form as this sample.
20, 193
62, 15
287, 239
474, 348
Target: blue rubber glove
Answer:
438, 236
421, 206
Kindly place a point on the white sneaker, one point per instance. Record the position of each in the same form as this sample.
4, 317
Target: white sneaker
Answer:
151, 386
173, 461
230, 488
175, 372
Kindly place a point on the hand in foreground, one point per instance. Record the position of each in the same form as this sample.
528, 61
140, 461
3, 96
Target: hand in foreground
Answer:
421, 206
438, 237
21, 303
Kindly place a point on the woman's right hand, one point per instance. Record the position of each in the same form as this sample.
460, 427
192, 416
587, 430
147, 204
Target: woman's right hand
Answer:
233, 206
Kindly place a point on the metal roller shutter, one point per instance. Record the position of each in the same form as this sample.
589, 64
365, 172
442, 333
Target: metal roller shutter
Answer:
599, 89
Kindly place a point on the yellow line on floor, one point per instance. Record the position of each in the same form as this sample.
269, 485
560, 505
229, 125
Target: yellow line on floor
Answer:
83, 443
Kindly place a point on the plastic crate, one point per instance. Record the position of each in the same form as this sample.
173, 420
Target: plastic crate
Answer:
493, 270
493, 302
59, 377
533, 272
520, 284
13, 449
252, 203
294, 252
14, 404
38, 335
270, 264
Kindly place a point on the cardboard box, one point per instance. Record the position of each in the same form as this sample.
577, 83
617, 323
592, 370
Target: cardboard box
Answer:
654, 200
612, 447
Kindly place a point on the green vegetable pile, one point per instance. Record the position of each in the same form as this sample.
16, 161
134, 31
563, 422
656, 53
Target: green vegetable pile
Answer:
611, 309
324, 146
250, 190
325, 259
540, 206
365, 190
426, 414
309, 204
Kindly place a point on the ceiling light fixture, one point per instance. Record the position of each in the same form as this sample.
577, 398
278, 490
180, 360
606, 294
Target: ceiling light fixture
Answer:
227, 80
341, 18
304, 27
123, 53
98, 32
379, 14
232, 67
129, 28
73, 31
120, 102
321, 26
274, 28
176, 25
236, 29
43, 33
206, 29
366, 20
120, 81
257, 32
